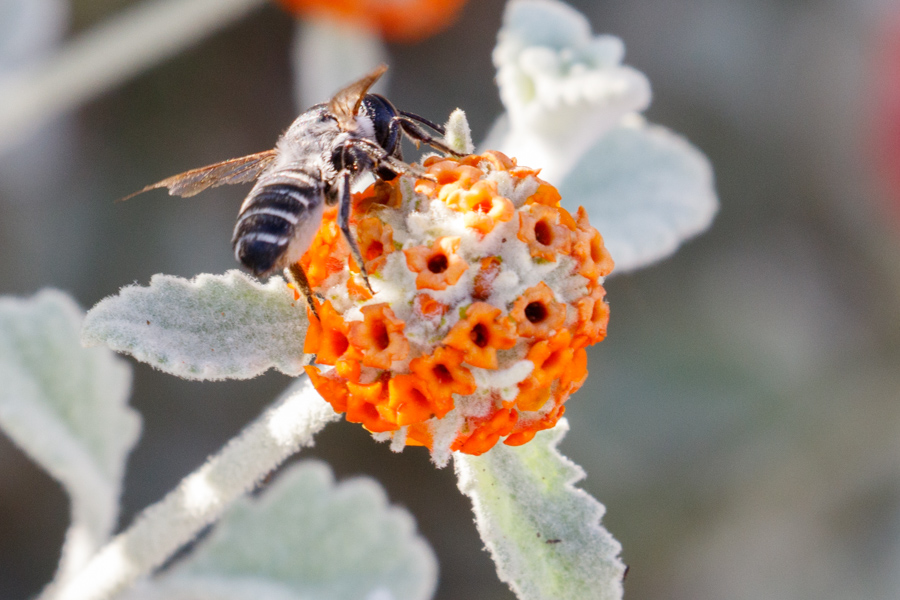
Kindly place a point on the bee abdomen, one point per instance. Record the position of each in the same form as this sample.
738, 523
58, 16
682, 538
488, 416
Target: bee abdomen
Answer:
266, 226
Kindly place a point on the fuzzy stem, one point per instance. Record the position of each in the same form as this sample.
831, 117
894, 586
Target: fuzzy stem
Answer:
107, 55
200, 498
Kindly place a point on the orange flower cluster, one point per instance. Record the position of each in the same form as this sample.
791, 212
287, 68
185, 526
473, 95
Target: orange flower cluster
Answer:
396, 20
486, 293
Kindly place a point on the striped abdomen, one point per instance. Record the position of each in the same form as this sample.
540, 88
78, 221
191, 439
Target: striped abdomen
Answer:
276, 225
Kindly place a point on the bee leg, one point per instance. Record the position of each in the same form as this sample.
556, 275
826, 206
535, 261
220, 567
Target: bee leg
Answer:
343, 221
417, 134
294, 273
377, 155
439, 128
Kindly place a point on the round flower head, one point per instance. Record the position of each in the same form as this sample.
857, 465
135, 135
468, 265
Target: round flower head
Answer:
486, 292
396, 20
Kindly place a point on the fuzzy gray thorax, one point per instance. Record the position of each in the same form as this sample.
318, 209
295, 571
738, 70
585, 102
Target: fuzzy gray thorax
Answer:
310, 142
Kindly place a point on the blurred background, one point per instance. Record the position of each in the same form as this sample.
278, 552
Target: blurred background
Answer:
741, 422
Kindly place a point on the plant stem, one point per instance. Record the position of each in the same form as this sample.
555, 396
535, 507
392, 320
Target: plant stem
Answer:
201, 497
107, 55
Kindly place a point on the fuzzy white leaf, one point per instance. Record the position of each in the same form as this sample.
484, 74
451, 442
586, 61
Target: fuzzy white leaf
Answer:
329, 55
211, 327
308, 537
646, 190
66, 406
562, 87
543, 533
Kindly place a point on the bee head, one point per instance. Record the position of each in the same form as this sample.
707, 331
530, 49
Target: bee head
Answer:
382, 113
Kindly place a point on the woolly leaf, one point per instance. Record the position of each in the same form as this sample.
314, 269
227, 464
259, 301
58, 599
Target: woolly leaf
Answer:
646, 190
543, 533
211, 327
66, 407
308, 537
562, 87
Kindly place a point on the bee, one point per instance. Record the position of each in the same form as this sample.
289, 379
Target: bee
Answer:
314, 164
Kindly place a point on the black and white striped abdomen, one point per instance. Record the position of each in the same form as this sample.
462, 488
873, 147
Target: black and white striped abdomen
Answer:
276, 225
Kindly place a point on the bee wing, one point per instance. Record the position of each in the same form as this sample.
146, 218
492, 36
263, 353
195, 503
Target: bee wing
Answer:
345, 103
235, 170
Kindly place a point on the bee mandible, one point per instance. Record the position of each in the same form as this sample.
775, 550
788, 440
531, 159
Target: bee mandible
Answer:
314, 164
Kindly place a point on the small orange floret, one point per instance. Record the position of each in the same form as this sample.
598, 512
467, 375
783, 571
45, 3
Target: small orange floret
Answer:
328, 252
522, 437
550, 358
437, 267
411, 401
348, 368
375, 243
396, 20
546, 194
480, 333
333, 390
593, 317
540, 228
529, 428
466, 198
576, 372
365, 404
451, 175
429, 308
532, 397
327, 335
488, 433
537, 313
594, 260
444, 373
497, 160
485, 215
379, 336
357, 290
379, 194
